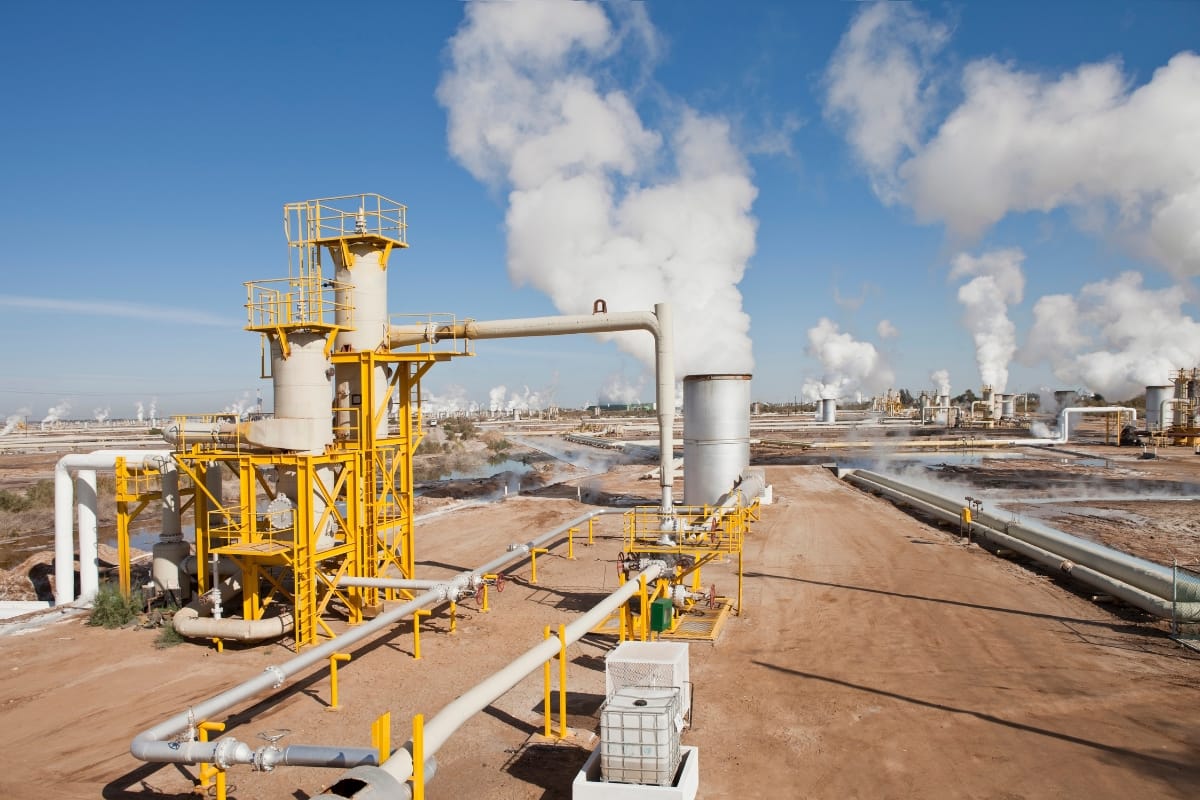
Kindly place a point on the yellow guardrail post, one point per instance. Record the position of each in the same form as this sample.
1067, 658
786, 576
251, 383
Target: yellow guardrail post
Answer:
418, 778
562, 681
645, 601
417, 631
571, 543
533, 562
381, 735
208, 771
546, 693
334, 660
453, 616
591, 529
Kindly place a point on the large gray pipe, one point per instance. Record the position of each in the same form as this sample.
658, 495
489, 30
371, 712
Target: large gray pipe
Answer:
391, 779
659, 324
1152, 587
155, 744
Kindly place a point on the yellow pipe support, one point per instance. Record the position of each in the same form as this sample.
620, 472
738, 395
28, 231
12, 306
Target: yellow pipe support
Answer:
645, 616
571, 543
334, 660
562, 681
418, 755
207, 771
739, 607
546, 689
417, 631
591, 530
453, 616
220, 644
381, 735
533, 553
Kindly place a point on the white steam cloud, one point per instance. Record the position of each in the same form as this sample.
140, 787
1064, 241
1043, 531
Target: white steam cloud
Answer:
1116, 337
239, 407
141, 411
1127, 157
848, 365
500, 399
619, 391
941, 381
601, 206
451, 402
101, 413
56, 413
997, 282
13, 420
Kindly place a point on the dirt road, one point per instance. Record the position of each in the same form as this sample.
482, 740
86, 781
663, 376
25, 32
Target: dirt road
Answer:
877, 658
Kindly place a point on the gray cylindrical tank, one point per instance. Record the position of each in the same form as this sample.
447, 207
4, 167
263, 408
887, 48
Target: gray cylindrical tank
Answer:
1158, 415
716, 435
166, 568
1008, 406
829, 409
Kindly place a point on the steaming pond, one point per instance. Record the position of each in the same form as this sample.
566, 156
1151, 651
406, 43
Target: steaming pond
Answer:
486, 470
955, 459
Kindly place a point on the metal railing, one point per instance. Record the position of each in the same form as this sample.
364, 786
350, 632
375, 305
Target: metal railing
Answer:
349, 215
306, 300
442, 326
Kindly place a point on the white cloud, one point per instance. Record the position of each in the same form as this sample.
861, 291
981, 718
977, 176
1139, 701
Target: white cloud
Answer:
886, 329
1116, 337
600, 206
878, 86
110, 308
1125, 158
847, 364
996, 283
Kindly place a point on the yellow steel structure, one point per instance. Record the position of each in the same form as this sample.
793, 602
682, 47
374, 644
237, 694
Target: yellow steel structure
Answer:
358, 491
692, 538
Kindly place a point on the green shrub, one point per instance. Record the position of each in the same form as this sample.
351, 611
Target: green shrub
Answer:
167, 637
12, 501
111, 609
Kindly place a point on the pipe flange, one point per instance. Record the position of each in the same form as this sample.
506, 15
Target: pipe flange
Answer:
265, 758
223, 752
279, 676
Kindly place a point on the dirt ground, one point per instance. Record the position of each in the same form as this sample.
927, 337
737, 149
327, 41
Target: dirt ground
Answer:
876, 657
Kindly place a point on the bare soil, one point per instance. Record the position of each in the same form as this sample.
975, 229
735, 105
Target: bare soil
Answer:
876, 657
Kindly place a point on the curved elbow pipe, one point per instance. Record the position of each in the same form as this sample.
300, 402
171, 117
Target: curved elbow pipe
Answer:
189, 624
64, 498
658, 323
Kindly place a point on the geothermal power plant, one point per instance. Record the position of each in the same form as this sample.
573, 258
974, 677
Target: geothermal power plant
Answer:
710, 596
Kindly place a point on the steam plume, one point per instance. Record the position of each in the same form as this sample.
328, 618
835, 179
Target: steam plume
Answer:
101, 414
1116, 337
55, 413
618, 391
13, 420
141, 411
848, 364
941, 381
1090, 139
600, 206
997, 282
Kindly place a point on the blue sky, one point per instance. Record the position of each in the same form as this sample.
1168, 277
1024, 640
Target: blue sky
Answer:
148, 148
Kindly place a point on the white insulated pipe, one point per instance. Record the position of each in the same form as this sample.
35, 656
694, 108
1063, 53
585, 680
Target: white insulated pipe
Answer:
1152, 587
85, 497
658, 323
64, 498
153, 745
394, 773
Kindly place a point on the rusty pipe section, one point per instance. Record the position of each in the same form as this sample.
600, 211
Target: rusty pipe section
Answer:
658, 323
